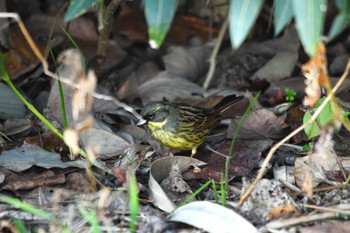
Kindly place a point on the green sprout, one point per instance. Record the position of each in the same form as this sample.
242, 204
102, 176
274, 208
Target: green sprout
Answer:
308, 147
290, 94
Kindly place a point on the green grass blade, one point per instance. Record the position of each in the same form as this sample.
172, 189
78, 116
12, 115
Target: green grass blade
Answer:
60, 90
91, 216
27, 207
7, 79
200, 189
234, 138
77, 47
134, 203
20, 226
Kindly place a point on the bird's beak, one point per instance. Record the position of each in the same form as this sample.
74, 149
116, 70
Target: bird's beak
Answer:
141, 122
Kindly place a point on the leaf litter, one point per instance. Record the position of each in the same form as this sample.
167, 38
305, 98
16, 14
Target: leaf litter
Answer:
137, 75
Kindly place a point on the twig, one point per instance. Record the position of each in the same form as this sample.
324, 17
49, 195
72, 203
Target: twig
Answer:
107, 26
331, 213
290, 186
328, 209
212, 59
296, 221
274, 148
327, 188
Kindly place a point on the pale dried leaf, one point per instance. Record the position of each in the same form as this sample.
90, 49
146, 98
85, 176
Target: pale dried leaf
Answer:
160, 169
211, 218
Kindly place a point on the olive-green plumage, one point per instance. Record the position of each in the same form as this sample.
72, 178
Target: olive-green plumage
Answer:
180, 126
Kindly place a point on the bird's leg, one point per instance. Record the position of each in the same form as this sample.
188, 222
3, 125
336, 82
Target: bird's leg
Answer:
194, 151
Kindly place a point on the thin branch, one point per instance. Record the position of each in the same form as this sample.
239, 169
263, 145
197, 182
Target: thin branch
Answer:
212, 59
107, 27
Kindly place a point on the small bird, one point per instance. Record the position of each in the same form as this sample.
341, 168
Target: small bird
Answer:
180, 126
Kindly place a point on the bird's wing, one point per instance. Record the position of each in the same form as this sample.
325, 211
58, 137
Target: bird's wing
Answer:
196, 118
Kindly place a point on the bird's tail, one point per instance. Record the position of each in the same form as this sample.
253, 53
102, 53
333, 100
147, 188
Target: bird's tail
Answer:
226, 102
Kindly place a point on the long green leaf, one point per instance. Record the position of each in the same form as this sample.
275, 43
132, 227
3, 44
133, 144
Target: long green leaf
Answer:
243, 14
283, 13
159, 16
341, 21
77, 8
309, 16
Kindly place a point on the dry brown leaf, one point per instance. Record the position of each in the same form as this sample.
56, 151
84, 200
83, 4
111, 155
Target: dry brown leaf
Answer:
49, 141
307, 185
20, 58
315, 72
281, 211
78, 182
323, 164
260, 124
245, 157
31, 181
160, 170
174, 185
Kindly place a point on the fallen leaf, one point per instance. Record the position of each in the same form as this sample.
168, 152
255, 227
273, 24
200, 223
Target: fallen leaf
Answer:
79, 182
189, 63
323, 164
211, 218
281, 211
245, 157
259, 124
174, 185
106, 144
279, 67
160, 169
16, 126
50, 142
10, 105
315, 72
47, 178
24, 157
168, 86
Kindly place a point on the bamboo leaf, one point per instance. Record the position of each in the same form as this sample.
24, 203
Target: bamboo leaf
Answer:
159, 16
77, 8
341, 21
243, 14
283, 13
309, 16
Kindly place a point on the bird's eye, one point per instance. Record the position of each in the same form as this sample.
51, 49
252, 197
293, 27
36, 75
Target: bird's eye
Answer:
150, 115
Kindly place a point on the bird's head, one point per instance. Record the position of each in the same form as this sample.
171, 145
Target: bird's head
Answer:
154, 112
